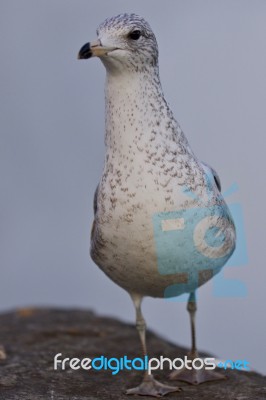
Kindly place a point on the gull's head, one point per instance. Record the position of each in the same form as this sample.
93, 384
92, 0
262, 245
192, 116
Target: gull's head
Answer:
124, 42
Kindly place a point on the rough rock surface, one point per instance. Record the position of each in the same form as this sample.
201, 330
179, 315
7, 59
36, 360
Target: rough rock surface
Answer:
32, 337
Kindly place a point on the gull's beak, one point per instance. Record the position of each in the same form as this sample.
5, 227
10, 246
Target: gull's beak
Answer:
94, 49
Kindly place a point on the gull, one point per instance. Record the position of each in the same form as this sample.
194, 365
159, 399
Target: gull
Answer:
161, 226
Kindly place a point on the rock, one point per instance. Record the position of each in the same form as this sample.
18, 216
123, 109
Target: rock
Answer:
32, 337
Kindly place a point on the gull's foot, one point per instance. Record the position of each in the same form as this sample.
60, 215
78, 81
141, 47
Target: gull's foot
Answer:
195, 376
151, 387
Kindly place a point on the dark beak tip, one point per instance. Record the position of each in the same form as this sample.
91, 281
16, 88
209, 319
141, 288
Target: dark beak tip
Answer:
85, 52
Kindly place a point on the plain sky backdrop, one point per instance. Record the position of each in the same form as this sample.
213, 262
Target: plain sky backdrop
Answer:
213, 71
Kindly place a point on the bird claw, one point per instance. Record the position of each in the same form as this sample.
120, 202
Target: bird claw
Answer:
195, 376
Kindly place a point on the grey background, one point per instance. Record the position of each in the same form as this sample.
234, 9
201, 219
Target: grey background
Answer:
212, 65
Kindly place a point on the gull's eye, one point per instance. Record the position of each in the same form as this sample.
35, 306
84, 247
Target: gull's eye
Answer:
135, 35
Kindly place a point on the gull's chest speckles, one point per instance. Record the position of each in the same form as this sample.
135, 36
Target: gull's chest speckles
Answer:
148, 159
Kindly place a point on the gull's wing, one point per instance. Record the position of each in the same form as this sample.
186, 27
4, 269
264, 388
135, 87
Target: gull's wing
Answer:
215, 175
95, 200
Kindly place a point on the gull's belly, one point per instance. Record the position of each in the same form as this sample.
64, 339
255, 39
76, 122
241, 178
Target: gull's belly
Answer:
163, 251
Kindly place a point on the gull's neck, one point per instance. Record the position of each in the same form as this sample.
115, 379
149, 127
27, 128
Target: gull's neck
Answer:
137, 112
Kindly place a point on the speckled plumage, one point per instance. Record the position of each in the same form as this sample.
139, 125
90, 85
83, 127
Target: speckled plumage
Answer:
149, 168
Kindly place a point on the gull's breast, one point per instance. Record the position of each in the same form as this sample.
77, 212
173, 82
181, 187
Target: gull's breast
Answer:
154, 246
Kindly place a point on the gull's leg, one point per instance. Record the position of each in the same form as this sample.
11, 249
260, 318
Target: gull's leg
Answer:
149, 386
194, 376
